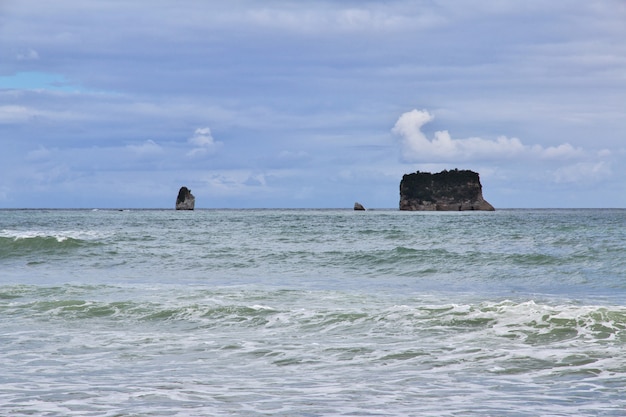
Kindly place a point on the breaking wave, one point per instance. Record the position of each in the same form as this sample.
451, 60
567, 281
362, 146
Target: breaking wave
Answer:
25, 243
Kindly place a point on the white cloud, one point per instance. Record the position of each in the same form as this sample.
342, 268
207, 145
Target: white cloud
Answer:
416, 147
15, 114
202, 137
583, 172
563, 151
146, 148
338, 19
204, 142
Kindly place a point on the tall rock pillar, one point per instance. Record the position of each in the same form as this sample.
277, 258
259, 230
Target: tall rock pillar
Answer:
185, 200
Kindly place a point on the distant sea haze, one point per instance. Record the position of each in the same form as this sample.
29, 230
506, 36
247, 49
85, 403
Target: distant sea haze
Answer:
312, 312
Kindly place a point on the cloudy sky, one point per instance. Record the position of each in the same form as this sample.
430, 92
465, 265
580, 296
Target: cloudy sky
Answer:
111, 103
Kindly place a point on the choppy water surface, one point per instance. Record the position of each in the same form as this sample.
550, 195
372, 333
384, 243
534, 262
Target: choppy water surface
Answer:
312, 313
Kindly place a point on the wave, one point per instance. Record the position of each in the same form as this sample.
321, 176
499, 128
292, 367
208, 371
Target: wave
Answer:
24, 243
58, 235
459, 341
525, 322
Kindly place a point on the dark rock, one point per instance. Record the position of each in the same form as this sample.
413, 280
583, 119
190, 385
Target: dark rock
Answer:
359, 207
185, 200
444, 191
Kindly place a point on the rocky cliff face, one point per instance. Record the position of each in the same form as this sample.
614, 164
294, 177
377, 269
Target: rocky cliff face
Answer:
444, 191
185, 200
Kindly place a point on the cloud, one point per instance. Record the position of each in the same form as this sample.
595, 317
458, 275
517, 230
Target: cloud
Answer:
149, 147
204, 142
583, 172
15, 114
563, 151
28, 55
19, 114
257, 180
39, 154
334, 18
417, 147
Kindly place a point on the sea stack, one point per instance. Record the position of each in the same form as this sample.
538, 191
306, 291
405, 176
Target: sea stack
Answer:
185, 200
444, 191
359, 207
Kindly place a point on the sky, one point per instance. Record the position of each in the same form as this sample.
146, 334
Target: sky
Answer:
310, 104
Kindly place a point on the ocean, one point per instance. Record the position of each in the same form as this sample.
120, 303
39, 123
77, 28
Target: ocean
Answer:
312, 313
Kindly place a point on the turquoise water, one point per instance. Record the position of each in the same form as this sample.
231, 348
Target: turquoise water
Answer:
312, 313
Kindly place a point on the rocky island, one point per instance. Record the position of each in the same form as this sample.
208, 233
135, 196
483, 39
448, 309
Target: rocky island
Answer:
185, 200
444, 191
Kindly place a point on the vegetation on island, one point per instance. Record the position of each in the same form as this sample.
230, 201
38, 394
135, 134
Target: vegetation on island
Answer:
455, 184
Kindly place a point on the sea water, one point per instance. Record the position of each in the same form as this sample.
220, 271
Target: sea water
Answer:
312, 313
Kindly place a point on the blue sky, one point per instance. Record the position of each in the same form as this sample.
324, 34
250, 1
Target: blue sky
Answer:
310, 103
